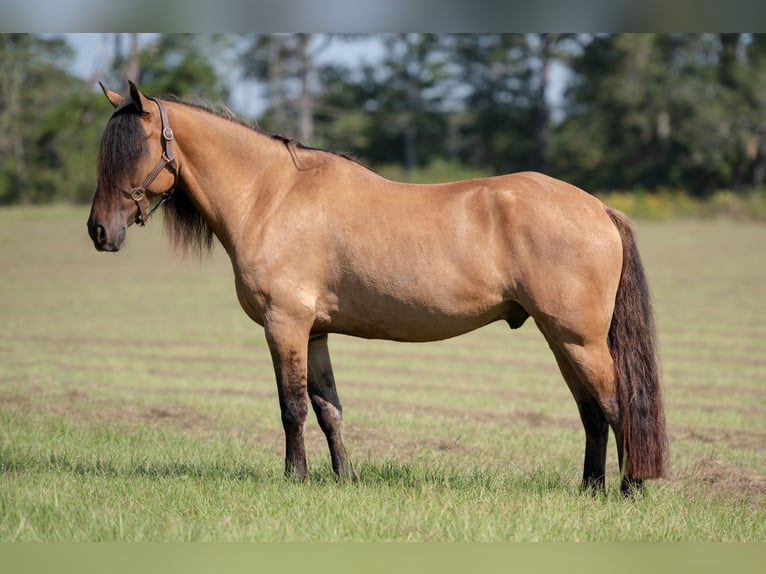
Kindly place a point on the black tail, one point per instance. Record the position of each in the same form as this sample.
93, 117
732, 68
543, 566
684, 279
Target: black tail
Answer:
633, 348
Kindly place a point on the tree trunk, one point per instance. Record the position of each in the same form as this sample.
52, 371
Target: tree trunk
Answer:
17, 130
727, 59
307, 98
133, 66
276, 103
542, 113
410, 129
759, 163
412, 105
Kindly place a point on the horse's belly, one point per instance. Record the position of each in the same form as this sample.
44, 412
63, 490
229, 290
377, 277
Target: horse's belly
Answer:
405, 331
409, 317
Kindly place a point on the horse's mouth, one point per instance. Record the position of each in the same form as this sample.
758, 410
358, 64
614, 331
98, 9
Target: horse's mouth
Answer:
108, 248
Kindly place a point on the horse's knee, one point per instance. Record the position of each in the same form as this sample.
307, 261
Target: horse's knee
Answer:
294, 413
595, 369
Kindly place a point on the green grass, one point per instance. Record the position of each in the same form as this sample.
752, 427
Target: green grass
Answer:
98, 483
137, 402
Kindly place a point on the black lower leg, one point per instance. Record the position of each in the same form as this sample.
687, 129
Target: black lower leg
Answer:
631, 486
596, 438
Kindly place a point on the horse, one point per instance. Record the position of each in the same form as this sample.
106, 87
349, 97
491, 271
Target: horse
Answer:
321, 244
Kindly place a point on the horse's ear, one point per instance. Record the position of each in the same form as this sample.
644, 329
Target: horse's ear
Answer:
114, 98
139, 99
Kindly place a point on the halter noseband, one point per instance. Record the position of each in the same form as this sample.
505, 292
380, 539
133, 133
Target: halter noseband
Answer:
168, 159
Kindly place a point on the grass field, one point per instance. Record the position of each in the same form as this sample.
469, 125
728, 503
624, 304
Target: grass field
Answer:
137, 402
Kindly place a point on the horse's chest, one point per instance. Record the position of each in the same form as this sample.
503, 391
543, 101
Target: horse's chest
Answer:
250, 299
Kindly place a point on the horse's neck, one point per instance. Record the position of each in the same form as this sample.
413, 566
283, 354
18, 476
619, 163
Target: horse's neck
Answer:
227, 169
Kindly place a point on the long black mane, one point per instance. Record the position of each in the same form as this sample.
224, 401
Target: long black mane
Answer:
122, 145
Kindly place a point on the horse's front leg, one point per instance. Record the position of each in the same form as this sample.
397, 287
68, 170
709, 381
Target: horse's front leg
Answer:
288, 343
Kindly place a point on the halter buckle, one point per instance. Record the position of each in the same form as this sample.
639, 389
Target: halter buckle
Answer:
137, 194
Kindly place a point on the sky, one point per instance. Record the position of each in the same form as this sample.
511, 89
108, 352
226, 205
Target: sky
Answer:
86, 48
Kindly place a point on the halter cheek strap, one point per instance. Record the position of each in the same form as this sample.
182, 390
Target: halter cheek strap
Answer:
168, 159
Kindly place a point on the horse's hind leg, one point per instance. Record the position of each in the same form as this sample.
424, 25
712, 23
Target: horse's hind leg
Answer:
324, 399
595, 367
593, 420
586, 363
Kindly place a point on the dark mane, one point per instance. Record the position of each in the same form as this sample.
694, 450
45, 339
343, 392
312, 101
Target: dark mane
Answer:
122, 145
185, 227
292, 144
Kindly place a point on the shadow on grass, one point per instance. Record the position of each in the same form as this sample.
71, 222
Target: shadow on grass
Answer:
404, 475
109, 468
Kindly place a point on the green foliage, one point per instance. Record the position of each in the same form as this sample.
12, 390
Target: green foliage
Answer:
66, 144
184, 65
670, 204
656, 110
398, 104
51, 123
33, 85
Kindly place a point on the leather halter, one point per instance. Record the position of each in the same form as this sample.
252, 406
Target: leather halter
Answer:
168, 159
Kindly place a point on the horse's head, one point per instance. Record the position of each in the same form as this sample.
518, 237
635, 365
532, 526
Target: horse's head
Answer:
136, 165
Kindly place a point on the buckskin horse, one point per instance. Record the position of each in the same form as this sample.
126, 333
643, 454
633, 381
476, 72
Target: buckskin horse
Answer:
321, 244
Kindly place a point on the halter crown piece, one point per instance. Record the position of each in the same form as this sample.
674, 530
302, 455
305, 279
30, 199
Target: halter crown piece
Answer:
168, 159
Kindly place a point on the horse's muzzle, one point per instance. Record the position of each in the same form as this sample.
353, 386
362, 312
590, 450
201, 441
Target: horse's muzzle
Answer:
103, 240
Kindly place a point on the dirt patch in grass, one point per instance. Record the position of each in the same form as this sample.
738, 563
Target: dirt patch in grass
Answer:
14, 400
749, 410
77, 405
750, 440
724, 479
179, 416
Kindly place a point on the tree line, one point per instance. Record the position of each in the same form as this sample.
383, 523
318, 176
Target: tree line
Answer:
607, 112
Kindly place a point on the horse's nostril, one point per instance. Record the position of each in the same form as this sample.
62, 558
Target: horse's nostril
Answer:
100, 234
97, 234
